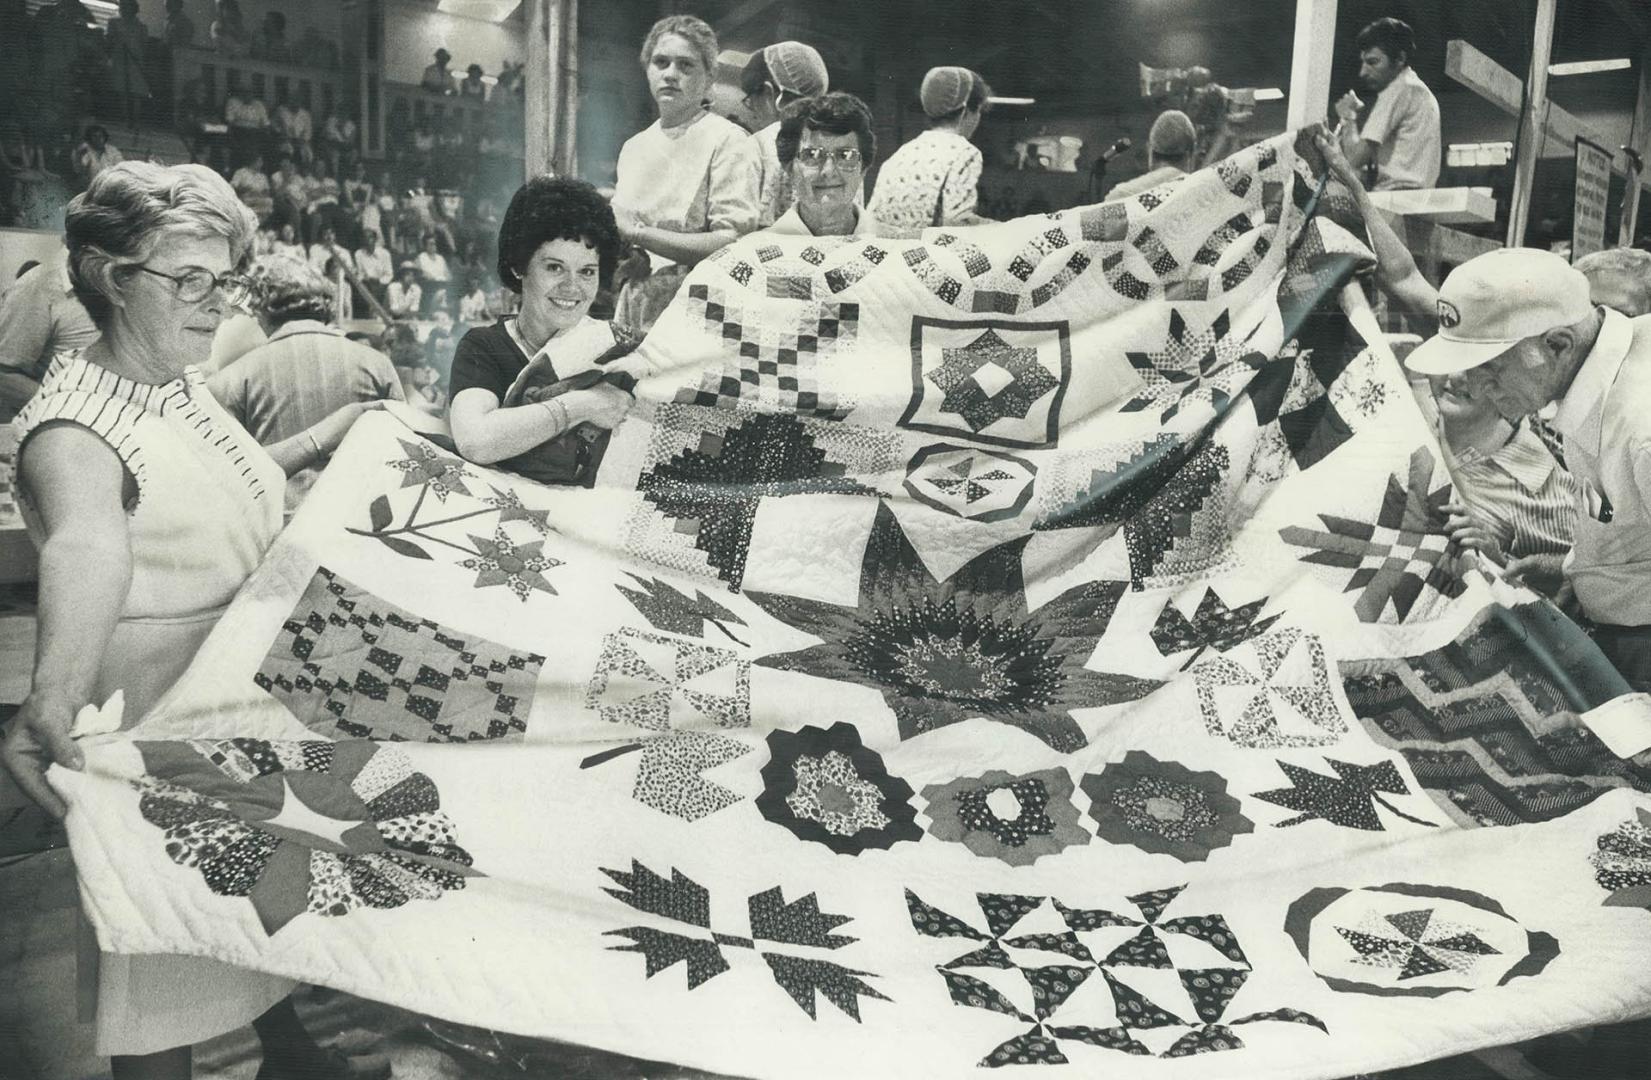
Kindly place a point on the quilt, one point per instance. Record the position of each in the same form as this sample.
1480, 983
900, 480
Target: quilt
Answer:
1030, 647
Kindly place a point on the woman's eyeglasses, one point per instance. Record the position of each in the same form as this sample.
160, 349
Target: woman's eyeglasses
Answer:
197, 285
815, 156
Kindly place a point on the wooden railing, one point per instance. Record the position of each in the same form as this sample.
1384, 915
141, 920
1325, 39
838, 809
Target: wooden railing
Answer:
319, 90
469, 112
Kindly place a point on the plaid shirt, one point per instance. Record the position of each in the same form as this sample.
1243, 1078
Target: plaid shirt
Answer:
1521, 492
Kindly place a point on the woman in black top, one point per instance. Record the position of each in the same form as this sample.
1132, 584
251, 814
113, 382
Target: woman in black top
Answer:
557, 244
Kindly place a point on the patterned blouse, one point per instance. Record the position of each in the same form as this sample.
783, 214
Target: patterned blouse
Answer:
937, 166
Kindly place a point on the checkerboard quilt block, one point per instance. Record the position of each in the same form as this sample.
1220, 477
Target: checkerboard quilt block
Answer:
1035, 646
349, 664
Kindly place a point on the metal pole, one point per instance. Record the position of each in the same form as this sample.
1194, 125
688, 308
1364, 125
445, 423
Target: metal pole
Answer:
1639, 141
1533, 123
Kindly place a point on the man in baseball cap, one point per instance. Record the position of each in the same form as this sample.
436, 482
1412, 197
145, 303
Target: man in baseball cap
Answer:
1518, 326
775, 79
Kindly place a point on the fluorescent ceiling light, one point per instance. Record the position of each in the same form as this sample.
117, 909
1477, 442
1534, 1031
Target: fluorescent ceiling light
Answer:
1269, 93
1589, 67
486, 10
995, 100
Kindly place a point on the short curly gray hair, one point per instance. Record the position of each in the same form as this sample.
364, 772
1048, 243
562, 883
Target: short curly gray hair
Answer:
696, 31
118, 220
282, 289
1631, 261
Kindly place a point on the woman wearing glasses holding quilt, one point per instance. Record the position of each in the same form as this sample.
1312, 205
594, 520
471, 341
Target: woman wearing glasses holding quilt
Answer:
149, 507
825, 144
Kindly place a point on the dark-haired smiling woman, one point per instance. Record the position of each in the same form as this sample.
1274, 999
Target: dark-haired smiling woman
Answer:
557, 244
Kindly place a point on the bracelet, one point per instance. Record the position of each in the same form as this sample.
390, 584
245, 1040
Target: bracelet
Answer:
315, 444
559, 410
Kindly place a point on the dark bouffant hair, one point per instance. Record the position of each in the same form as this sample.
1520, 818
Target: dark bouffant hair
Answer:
834, 114
552, 208
1391, 36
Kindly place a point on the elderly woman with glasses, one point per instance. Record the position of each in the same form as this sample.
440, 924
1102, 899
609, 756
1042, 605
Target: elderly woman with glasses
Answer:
149, 506
825, 144
687, 184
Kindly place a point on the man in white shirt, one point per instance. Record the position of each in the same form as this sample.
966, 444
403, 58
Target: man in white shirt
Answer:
1520, 328
324, 249
1401, 134
774, 81
374, 264
403, 297
824, 145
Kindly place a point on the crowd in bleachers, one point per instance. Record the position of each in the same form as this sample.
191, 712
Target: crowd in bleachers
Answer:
410, 235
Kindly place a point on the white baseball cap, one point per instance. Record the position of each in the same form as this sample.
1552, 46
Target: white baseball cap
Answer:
1496, 300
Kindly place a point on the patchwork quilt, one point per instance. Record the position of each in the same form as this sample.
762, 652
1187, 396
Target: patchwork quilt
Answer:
1031, 647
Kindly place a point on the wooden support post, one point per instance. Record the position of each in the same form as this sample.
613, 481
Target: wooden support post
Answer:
567, 152
552, 70
1640, 140
541, 88
1533, 127
1310, 63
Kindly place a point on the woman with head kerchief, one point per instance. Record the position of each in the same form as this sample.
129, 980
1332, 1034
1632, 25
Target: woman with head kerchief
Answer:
934, 178
687, 184
775, 80
149, 507
825, 144
528, 393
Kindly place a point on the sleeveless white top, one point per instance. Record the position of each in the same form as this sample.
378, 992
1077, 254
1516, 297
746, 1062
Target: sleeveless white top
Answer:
208, 505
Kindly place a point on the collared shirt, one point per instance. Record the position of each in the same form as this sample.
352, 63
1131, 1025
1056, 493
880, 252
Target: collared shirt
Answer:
299, 377
39, 318
1404, 125
938, 168
791, 223
1521, 492
376, 265
403, 299
1607, 432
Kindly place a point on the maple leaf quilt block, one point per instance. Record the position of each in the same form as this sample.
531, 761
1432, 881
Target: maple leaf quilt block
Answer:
778, 930
943, 652
320, 828
680, 692
1213, 626
1416, 940
992, 381
1348, 798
